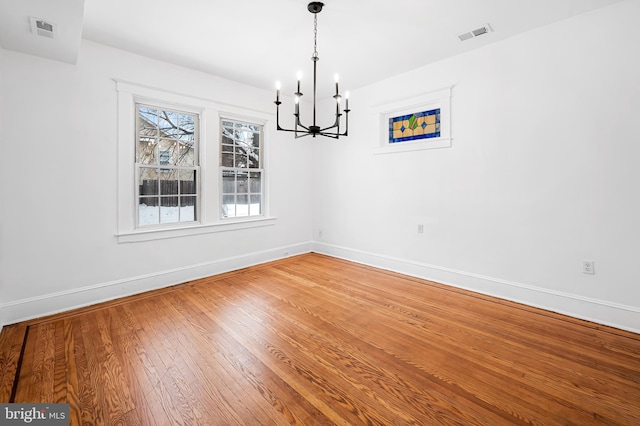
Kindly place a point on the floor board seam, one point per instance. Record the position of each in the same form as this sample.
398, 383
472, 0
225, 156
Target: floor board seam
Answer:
14, 388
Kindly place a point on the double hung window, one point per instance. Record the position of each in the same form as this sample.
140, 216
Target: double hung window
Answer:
187, 166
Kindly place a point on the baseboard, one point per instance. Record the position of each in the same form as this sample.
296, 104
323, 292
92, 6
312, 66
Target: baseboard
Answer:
53, 303
598, 311
602, 312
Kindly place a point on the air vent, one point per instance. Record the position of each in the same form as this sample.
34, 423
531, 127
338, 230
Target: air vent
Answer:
42, 28
486, 28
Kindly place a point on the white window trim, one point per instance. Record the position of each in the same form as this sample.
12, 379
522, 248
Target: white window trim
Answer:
427, 101
210, 113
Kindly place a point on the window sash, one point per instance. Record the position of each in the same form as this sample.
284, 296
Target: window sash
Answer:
172, 190
241, 171
167, 172
243, 195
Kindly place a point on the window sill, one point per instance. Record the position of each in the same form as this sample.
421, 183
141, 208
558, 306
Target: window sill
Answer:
184, 231
413, 146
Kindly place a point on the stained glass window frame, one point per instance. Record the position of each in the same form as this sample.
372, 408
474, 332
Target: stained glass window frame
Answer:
436, 103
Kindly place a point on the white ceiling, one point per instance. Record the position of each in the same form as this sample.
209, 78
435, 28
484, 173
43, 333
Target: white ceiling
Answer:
258, 42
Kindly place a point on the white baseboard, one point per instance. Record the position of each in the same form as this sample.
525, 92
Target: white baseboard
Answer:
598, 311
53, 303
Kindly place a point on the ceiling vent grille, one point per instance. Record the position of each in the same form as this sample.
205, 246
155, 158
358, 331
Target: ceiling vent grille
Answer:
42, 28
486, 28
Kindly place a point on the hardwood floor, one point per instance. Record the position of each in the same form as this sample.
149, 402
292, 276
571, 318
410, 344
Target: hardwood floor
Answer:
317, 341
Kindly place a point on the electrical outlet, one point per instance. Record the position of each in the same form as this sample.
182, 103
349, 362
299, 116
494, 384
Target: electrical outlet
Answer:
321, 233
420, 228
588, 267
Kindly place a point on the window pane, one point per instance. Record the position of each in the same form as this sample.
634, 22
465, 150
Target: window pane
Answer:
147, 121
242, 180
188, 182
256, 140
249, 127
186, 154
255, 182
169, 211
148, 211
228, 181
241, 158
168, 182
228, 206
243, 137
255, 207
242, 205
168, 124
148, 181
146, 150
254, 159
187, 209
187, 127
166, 148
226, 159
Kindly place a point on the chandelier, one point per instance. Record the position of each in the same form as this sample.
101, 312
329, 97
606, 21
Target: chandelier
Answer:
300, 130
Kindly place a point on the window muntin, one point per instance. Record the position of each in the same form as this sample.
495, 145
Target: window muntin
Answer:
168, 138
241, 167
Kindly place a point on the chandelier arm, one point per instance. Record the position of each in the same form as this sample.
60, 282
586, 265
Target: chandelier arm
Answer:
299, 123
333, 126
336, 124
331, 135
297, 136
277, 102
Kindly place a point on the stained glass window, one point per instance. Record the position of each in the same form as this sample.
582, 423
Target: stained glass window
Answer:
415, 126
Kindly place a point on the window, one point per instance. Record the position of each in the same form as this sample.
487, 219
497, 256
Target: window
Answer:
166, 138
171, 167
241, 169
413, 124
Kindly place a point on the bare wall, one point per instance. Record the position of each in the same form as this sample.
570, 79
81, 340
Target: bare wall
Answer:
58, 247
542, 173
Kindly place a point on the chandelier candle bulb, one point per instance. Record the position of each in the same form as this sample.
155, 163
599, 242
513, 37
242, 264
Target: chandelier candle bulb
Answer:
346, 101
277, 91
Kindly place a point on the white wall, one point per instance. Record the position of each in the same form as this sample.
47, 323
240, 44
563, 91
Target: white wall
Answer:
542, 173
58, 186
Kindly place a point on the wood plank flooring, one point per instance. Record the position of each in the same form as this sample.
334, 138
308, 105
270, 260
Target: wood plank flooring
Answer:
312, 340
